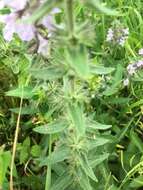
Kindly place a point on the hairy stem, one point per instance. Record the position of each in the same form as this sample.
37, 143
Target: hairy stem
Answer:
70, 17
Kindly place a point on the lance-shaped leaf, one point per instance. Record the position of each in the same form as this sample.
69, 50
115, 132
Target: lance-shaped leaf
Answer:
100, 69
51, 128
58, 155
77, 57
99, 141
76, 114
48, 73
25, 110
25, 92
62, 182
84, 181
99, 159
86, 167
5, 158
100, 7
92, 124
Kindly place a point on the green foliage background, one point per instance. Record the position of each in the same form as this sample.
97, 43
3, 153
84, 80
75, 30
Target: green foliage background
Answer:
80, 128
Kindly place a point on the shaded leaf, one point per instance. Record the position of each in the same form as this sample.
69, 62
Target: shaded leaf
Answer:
62, 182
77, 117
25, 93
86, 167
51, 128
100, 69
77, 57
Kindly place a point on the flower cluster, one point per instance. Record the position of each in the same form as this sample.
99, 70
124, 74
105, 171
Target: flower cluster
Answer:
133, 68
15, 22
117, 35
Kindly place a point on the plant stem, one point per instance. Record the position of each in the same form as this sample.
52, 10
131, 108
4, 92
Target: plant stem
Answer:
15, 143
48, 175
70, 17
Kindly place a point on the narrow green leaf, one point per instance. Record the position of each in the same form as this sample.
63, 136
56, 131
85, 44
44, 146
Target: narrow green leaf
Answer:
77, 57
58, 155
100, 69
99, 141
51, 128
62, 182
36, 150
101, 8
86, 167
5, 159
48, 73
25, 93
137, 182
96, 125
77, 117
117, 80
136, 140
99, 159
25, 110
84, 181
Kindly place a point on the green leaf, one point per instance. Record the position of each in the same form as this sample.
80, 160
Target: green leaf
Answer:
99, 159
36, 150
99, 141
24, 152
84, 181
48, 73
101, 8
137, 182
76, 114
25, 93
86, 167
136, 104
51, 128
96, 125
136, 140
5, 158
77, 57
119, 100
62, 182
117, 80
58, 155
100, 69
25, 110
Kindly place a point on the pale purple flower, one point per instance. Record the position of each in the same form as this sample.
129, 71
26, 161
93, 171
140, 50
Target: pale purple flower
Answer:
48, 20
131, 68
126, 82
126, 31
141, 51
25, 31
55, 10
110, 35
117, 35
16, 5
122, 41
9, 28
139, 63
43, 46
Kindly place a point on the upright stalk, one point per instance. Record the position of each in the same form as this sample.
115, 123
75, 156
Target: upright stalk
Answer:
15, 143
48, 175
70, 17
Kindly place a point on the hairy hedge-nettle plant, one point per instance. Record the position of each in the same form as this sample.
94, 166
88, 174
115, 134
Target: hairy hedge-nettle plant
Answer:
77, 144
